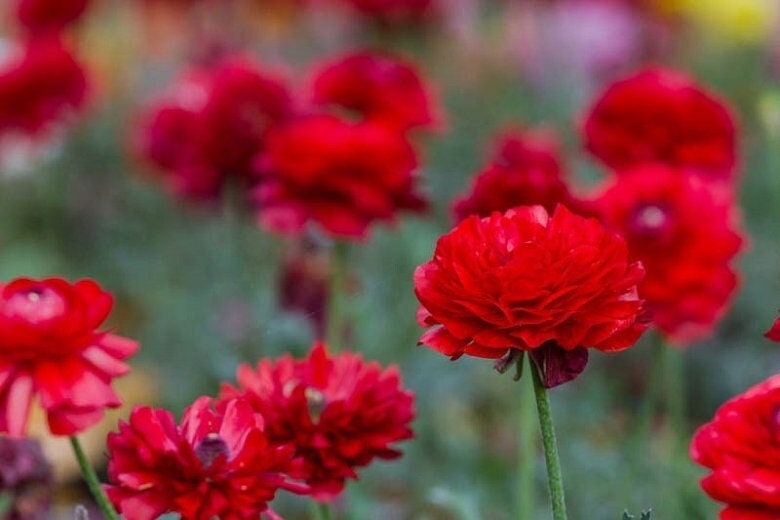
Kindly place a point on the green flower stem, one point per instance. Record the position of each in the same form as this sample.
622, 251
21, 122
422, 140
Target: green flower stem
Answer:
322, 511
92, 481
554, 477
675, 402
527, 448
336, 303
644, 430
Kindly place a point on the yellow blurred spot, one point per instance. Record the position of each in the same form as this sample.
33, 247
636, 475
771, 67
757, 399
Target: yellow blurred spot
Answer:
739, 21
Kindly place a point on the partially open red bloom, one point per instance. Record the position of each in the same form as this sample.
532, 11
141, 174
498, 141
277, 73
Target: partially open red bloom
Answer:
379, 87
216, 464
40, 87
741, 445
525, 170
338, 411
685, 232
50, 348
660, 115
395, 11
342, 176
522, 280
39, 16
211, 126
774, 332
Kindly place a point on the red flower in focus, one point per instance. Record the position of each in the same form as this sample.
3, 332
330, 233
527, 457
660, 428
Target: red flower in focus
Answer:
379, 87
216, 464
774, 332
395, 11
684, 230
525, 170
211, 127
49, 347
341, 175
338, 411
40, 16
525, 280
741, 445
661, 115
39, 87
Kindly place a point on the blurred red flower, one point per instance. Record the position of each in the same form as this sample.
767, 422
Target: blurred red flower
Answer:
49, 347
741, 445
525, 280
339, 411
379, 87
659, 115
685, 232
216, 464
395, 11
40, 86
211, 126
340, 175
774, 332
40, 16
524, 170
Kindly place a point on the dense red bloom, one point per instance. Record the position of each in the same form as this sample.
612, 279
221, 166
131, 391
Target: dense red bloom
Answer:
39, 87
211, 126
39, 16
395, 11
523, 280
379, 87
663, 116
774, 332
340, 175
685, 232
525, 170
338, 411
216, 464
741, 445
49, 347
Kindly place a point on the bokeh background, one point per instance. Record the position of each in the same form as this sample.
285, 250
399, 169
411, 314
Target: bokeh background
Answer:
198, 285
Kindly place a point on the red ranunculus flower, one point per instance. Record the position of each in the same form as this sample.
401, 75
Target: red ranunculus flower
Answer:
39, 16
523, 280
216, 464
774, 332
211, 126
395, 11
338, 411
379, 87
660, 115
340, 175
49, 347
40, 86
525, 170
741, 446
685, 232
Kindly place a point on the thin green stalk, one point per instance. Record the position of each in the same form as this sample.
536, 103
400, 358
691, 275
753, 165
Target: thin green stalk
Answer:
322, 511
527, 448
92, 481
675, 402
336, 304
554, 476
644, 430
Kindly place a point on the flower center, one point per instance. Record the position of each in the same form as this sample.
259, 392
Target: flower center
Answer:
316, 401
35, 305
211, 447
651, 222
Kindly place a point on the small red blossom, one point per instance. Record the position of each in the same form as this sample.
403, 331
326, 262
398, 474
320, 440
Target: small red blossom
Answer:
342, 176
741, 445
216, 464
774, 332
685, 232
379, 87
41, 16
660, 115
395, 11
337, 410
49, 347
526, 280
525, 170
40, 86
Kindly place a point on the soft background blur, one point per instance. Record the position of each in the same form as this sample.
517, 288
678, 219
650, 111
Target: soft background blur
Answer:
197, 286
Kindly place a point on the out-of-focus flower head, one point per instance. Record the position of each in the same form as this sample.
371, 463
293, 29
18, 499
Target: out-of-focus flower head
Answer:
42, 16
218, 463
395, 11
50, 348
304, 281
660, 115
525, 170
26, 476
741, 445
339, 411
774, 331
211, 125
39, 86
685, 231
379, 87
731, 21
340, 175
527, 281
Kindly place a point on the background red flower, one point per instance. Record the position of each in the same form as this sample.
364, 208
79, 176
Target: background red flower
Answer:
39, 16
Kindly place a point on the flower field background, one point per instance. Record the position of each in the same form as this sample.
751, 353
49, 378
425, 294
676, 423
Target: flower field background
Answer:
199, 284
